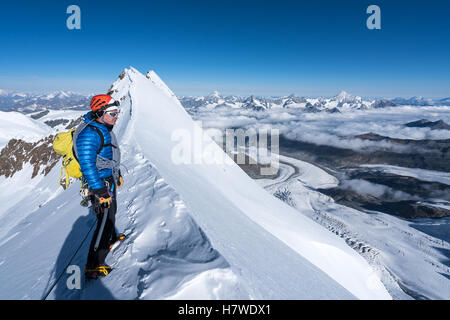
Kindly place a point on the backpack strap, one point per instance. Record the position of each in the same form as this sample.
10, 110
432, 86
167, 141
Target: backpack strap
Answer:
110, 144
81, 128
75, 134
101, 137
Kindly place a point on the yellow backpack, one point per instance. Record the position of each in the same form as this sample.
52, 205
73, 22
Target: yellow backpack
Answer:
63, 145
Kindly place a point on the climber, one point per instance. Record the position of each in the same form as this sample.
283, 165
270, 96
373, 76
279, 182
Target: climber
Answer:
98, 153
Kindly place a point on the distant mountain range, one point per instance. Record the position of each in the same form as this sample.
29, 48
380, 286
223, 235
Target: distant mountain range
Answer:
342, 102
29, 103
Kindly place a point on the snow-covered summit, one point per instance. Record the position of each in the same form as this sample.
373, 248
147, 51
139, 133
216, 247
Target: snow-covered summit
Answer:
256, 104
344, 96
214, 94
60, 95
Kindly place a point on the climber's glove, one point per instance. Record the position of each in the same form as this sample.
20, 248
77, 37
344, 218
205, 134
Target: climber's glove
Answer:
120, 182
103, 197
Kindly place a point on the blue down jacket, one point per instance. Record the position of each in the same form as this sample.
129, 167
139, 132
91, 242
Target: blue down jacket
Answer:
88, 144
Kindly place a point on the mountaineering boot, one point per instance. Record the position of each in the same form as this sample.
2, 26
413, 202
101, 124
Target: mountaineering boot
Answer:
119, 239
98, 272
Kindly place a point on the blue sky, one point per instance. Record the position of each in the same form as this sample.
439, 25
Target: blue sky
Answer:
312, 48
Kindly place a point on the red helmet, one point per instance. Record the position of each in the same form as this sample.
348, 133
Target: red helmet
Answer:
99, 101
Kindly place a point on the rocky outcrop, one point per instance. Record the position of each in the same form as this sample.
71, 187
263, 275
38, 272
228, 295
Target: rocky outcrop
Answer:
56, 122
255, 104
383, 103
74, 123
40, 114
17, 153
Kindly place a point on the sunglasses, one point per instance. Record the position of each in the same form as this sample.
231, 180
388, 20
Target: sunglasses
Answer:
113, 113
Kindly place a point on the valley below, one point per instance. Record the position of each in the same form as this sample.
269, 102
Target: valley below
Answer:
398, 218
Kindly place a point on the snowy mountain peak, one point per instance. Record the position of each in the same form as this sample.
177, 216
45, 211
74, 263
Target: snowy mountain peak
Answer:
214, 94
59, 95
255, 104
292, 100
344, 96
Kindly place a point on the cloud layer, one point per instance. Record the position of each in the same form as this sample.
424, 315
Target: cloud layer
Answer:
334, 129
377, 190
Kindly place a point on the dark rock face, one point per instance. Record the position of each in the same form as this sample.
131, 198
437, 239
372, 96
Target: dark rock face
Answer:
383, 103
433, 125
334, 110
17, 153
40, 114
74, 123
56, 122
293, 99
286, 196
425, 154
313, 108
253, 103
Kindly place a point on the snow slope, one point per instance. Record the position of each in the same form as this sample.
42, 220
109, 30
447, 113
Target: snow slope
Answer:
165, 255
275, 251
19, 126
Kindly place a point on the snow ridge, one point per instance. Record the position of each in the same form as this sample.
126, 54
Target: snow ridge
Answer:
277, 253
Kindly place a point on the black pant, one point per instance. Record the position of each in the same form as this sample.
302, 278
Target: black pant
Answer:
109, 234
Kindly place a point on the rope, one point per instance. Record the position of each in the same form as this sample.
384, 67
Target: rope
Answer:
70, 261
